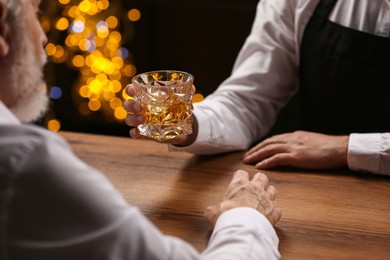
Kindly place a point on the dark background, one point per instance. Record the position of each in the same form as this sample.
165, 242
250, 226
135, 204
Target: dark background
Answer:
198, 36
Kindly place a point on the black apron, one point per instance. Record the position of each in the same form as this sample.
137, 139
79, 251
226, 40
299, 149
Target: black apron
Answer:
344, 78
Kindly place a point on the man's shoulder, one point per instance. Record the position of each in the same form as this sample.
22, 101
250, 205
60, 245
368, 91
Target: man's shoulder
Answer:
21, 133
19, 143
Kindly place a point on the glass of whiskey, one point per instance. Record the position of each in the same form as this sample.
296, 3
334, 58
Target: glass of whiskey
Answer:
165, 97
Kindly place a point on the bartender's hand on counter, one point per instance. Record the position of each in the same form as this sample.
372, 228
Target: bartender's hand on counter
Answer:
301, 149
135, 118
242, 192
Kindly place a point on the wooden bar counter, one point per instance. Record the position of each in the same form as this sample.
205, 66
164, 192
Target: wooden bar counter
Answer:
326, 215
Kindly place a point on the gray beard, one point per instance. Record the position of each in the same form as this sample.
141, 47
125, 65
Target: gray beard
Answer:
27, 79
31, 107
25, 72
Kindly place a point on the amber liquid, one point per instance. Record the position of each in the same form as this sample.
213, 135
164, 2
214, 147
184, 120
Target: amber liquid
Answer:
166, 118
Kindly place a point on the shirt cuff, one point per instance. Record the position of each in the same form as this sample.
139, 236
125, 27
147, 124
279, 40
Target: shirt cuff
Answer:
202, 142
364, 152
248, 217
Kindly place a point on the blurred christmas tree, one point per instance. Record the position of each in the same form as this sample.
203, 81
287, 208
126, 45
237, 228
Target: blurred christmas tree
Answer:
88, 36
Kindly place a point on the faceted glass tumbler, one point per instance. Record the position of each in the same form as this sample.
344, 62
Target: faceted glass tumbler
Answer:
166, 102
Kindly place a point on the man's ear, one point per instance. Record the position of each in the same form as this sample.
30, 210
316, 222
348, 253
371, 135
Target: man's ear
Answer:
4, 47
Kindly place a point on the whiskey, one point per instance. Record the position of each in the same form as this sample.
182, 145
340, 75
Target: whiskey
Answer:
166, 102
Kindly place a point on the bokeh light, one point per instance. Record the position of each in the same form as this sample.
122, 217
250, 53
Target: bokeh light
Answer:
55, 92
62, 24
86, 36
112, 22
64, 2
197, 98
134, 15
54, 125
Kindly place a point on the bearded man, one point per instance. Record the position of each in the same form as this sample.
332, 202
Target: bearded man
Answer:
54, 206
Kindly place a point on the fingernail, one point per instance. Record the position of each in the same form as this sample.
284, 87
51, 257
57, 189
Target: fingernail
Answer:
260, 165
140, 119
133, 133
137, 107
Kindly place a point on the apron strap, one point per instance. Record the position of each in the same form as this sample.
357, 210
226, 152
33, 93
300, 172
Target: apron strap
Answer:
323, 10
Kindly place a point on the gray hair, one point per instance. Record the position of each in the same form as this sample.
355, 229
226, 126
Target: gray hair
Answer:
14, 11
15, 8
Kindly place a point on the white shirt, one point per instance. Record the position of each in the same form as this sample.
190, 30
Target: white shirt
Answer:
54, 206
265, 77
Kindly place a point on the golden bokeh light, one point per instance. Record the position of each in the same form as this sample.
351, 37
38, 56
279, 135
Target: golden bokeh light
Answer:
94, 105
84, 91
78, 61
197, 98
64, 2
116, 86
108, 95
54, 125
115, 103
85, 6
103, 4
134, 15
129, 70
120, 113
92, 44
50, 49
84, 44
73, 12
112, 22
93, 9
62, 24
103, 32
60, 52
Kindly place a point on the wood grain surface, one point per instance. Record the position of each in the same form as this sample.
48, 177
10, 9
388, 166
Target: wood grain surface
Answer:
326, 215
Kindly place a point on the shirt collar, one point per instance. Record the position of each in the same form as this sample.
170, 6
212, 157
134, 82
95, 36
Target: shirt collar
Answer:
6, 116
